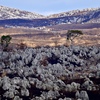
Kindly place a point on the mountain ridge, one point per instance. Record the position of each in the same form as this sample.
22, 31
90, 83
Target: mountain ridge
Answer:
13, 13
72, 12
16, 17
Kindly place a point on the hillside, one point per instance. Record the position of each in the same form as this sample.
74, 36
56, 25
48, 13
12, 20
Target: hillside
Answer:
16, 17
12, 13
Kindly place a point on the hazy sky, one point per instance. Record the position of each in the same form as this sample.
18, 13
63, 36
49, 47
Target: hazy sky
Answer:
50, 6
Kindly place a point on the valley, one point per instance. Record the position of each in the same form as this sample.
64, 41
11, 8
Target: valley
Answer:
41, 64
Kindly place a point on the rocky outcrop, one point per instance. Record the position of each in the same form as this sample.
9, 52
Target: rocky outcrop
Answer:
69, 73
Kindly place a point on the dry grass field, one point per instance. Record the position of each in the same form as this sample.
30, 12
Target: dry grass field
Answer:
33, 38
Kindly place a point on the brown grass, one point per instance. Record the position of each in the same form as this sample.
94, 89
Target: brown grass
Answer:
33, 38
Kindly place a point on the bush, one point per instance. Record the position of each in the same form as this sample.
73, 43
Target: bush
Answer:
5, 41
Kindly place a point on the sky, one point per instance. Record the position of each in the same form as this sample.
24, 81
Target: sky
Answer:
47, 7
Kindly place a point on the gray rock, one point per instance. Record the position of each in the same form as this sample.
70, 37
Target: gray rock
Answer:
24, 83
8, 94
6, 83
16, 80
98, 74
98, 66
6, 86
17, 98
50, 95
84, 95
24, 92
77, 95
88, 85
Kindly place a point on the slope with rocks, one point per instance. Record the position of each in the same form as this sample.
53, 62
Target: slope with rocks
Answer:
12, 13
50, 73
78, 16
15, 17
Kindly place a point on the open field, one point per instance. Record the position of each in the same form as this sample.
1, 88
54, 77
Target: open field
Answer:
32, 37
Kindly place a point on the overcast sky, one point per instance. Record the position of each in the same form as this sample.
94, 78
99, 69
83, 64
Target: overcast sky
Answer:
50, 6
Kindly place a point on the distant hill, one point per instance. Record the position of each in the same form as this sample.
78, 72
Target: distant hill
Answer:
12, 13
16, 17
91, 15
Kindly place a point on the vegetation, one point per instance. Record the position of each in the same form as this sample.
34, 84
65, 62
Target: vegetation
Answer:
5, 41
72, 34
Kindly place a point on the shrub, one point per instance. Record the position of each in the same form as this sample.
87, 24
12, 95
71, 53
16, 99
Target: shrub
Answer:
5, 41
